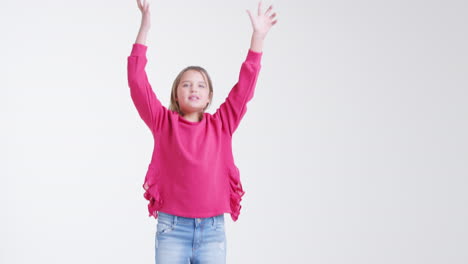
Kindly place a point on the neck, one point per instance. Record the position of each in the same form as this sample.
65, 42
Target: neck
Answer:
194, 117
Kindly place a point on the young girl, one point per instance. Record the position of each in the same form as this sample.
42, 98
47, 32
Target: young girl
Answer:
192, 179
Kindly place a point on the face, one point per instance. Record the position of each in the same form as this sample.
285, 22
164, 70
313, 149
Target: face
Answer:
193, 92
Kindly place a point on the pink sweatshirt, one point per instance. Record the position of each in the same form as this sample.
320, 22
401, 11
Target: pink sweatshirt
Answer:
192, 171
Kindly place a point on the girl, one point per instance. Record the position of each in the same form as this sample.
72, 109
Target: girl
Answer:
192, 179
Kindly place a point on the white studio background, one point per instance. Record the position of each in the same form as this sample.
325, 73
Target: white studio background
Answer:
354, 148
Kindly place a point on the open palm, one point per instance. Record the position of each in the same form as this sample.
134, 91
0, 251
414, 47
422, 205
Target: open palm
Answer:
145, 12
262, 23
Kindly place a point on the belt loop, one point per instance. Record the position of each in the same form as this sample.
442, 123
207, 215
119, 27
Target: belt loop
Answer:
174, 220
214, 220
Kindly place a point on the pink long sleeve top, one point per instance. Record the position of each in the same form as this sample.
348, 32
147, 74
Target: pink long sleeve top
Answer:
192, 171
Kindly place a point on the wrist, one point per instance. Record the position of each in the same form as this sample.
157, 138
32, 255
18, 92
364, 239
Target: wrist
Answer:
258, 35
144, 27
256, 43
145, 24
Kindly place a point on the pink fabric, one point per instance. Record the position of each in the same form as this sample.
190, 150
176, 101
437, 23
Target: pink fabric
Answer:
192, 171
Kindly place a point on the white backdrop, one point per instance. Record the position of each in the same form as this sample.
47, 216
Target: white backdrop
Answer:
353, 149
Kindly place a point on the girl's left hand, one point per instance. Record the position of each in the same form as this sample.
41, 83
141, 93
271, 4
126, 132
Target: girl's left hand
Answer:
262, 23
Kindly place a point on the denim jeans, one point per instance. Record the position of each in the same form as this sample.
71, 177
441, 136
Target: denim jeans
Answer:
182, 240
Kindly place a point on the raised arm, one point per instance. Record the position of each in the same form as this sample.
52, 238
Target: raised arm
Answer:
147, 104
235, 106
145, 21
261, 24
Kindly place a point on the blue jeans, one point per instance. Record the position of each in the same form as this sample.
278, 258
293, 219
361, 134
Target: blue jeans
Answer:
182, 240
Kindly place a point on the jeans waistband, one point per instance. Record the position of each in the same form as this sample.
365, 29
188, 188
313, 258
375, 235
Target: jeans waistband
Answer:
174, 219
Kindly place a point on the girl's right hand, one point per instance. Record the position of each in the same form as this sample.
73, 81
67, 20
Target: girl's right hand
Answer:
143, 5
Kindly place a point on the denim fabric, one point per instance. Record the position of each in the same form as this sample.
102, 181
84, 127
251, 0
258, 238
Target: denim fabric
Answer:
182, 240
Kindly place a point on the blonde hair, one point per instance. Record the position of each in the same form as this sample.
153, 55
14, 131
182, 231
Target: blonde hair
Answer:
174, 105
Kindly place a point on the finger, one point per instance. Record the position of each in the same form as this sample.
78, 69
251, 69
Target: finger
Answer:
274, 22
139, 3
147, 5
250, 15
269, 9
259, 8
273, 16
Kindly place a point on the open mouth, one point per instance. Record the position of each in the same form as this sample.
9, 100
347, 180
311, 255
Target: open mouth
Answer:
193, 98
